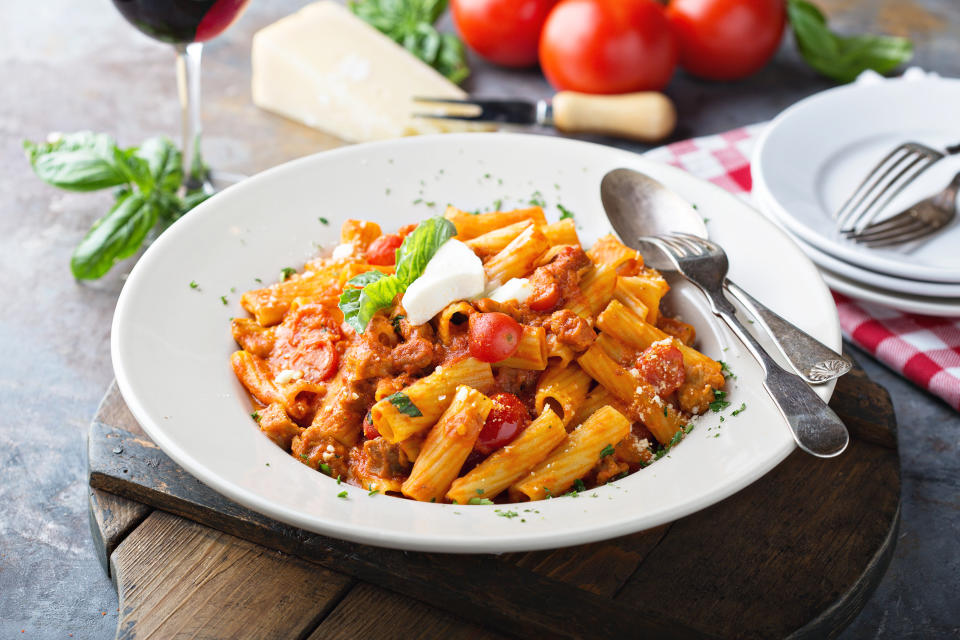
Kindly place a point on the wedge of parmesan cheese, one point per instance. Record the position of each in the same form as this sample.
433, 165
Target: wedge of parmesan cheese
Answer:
328, 69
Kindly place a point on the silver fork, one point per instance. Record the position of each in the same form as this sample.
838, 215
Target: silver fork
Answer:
815, 427
916, 221
889, 177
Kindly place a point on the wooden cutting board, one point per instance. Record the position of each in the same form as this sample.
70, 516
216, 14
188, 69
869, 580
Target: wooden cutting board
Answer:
795, 554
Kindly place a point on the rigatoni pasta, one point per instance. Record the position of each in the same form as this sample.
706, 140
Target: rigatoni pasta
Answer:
518, 369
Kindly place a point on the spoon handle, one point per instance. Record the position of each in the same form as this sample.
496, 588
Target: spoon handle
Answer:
816, 428
814, 361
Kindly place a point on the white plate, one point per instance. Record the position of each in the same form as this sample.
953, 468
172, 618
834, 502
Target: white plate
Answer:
946, 307
815, 153
171, 343
855, 274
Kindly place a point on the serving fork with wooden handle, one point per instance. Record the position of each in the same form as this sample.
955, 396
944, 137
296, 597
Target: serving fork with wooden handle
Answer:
646, 116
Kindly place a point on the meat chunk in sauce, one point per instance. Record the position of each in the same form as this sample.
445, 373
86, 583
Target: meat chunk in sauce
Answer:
277, 425
558, 282
571, 329
385, 459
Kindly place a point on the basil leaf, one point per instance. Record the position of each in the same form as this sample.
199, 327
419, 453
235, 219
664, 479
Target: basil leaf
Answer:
115, 236
163, 163
404, 405
81, 161
420, 245
379, 290
842, 58
409, 23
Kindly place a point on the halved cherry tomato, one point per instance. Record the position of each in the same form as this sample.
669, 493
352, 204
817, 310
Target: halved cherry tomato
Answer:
661, 364
383, 250
506, 420
494, 336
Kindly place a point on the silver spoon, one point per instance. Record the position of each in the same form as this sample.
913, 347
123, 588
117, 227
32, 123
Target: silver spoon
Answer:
638, 206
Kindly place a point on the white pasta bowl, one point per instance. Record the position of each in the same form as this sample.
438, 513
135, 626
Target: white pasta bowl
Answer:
171, 342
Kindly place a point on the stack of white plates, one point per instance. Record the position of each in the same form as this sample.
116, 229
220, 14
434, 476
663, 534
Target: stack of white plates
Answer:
814, 154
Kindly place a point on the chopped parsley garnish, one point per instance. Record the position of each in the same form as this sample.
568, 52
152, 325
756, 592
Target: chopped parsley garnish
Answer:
255, 415
258, 280
233, 289
606, 451
418, 201
396, 322
506, 514
725, 370
719, 404
373, 491
537, 200
564, 212
665, 412
547, 491
743, 407
688, 428
338, 478
286, 272
304, 456
342, 494
323, 220
480, 501
578, 485
479, 492
194, 285
675, 439
267, 463
324, 467
404, 405
694, 206
223, 299
497, 204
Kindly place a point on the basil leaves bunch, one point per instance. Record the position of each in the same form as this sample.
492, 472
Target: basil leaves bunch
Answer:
145, 179
371, 291
409, 23
842, 58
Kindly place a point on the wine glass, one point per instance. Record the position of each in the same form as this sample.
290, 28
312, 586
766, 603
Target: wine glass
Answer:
186, 24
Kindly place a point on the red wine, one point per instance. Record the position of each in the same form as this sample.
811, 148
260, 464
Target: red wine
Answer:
181, 21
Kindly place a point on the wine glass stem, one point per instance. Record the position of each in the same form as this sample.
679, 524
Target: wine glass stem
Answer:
188, 88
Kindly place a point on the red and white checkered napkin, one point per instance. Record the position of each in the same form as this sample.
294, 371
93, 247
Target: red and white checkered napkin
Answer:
924, 349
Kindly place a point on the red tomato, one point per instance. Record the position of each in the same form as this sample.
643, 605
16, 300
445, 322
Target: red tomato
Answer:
369, 431
661, 364
726, 39
506, 420
505, 32
546, 291
607, 46
383, 250
494, 336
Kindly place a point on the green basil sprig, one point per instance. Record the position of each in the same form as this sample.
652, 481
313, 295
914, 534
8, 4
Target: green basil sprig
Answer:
369, 292
409, 23
842, 58
146, 179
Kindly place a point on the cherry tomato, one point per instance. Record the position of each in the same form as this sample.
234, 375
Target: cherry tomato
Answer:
505, 32
369, 431
494, 336
383, 250
661, 364
506, 420
607, 46
726, 39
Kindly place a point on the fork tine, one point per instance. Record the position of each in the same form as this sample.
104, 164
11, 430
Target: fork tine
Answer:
438, 116
688, 244
908, 226
672, 245
871, 212
840, 215
882, 225
916, 235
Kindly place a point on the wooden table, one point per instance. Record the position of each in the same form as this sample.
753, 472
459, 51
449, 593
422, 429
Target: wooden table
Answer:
69, 66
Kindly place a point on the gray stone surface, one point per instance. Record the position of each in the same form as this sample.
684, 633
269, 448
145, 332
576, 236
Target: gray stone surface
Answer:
67, 66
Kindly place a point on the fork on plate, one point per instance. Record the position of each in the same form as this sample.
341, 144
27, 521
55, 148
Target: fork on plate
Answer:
916, 221
885, 181
815, 427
